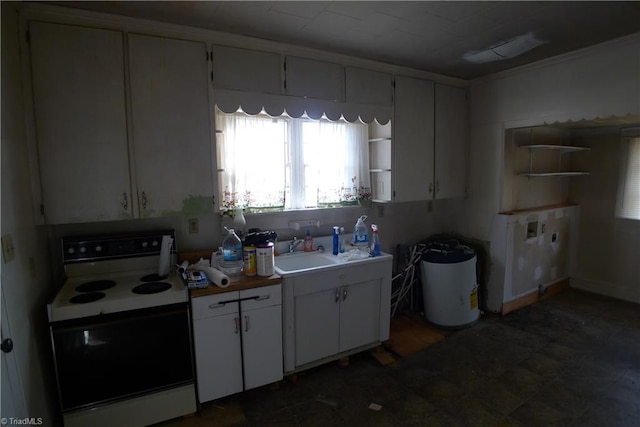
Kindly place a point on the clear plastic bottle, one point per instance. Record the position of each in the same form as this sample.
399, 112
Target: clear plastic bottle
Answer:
341, 240
232, 253
361, 234
375, 241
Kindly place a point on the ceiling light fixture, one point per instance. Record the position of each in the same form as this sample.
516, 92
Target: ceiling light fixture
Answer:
505, 50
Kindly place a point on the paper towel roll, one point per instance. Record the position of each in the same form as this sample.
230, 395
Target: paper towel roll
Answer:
183, 267
216, 277
165, 255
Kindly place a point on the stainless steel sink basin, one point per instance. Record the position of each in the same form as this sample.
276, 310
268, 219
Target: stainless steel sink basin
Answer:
287, 263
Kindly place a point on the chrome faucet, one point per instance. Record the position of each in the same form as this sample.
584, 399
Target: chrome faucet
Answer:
294, 243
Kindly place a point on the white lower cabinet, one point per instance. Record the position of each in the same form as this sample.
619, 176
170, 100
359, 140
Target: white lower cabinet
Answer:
238, 341
333, 313
336, 320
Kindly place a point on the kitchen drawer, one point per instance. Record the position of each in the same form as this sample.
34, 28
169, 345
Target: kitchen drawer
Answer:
267, 297
215, 305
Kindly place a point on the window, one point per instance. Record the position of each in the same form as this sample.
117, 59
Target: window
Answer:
280, 163
628, 201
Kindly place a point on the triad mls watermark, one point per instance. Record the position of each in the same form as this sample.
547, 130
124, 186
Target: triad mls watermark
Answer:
27, 421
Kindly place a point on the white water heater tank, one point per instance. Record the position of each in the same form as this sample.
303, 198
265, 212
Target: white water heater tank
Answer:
450, 286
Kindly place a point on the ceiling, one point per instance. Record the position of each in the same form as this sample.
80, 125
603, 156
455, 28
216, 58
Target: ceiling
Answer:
427, 35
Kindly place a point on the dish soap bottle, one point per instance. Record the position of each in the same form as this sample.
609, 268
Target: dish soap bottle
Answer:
361, 234
375, 241
232, 253
308, 242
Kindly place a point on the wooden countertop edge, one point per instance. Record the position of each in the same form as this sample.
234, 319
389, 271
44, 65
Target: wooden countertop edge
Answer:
538, 209
239, 285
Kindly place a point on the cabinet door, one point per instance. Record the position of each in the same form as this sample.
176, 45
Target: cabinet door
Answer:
247, 70
413, 140
81, 130
314, 79
368, 87
359, 314
171, 134
317, 323
218, 356
450, 141
262, 346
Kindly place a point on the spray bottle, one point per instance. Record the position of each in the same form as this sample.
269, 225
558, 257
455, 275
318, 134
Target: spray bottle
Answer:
375, 241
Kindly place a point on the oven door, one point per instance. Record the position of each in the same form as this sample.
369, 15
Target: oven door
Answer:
103, 359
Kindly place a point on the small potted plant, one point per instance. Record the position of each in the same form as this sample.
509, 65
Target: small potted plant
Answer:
364, 196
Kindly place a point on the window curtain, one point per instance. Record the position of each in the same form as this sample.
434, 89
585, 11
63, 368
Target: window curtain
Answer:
291, 163
629, 193
251, 156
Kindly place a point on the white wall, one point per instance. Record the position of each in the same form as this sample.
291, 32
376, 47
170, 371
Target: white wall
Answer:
26, 280
598, 82
607, 252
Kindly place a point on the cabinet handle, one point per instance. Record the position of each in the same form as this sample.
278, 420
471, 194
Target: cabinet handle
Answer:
337, 295
246, 323
125, 203
218, 305
431, 187
235, 319
344, 294
144, 201
262, 297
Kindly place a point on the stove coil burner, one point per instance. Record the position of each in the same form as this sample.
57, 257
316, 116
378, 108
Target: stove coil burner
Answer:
87, 297
153, 277
151, 288
96, 285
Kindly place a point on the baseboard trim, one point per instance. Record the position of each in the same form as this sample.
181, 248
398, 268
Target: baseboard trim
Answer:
525, 300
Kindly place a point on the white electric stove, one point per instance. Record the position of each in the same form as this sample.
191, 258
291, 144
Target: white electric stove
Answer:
121, 333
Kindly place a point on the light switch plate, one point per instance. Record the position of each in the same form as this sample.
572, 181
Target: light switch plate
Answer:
8, 250
193, 225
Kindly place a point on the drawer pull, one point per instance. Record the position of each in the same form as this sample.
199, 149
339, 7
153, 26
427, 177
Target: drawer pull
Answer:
218, 305
262, 297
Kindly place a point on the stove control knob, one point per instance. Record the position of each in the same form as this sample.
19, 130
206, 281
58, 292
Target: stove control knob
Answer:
155, 243
83, 249
98, 248
145, 244
71, 251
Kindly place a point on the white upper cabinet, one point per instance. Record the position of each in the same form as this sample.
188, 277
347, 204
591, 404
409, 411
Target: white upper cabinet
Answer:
310, 78
171, 134
450, 141
413, 139
247, 70
80, 122
368, 87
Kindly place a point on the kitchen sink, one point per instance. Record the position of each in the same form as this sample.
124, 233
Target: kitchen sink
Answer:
295, 262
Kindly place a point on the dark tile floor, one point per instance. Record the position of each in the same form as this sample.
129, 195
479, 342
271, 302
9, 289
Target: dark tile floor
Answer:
570, 360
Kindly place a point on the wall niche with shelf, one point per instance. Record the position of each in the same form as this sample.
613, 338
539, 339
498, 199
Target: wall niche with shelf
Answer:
380, 161
538, 167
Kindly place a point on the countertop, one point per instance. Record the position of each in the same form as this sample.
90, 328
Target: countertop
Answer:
237, 283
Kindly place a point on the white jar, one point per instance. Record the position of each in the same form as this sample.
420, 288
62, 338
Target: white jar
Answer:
264, 259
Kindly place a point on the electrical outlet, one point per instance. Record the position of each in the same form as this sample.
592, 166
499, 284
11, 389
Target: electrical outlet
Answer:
193, 225
8, 250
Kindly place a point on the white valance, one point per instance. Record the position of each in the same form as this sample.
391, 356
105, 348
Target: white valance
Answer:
275, 105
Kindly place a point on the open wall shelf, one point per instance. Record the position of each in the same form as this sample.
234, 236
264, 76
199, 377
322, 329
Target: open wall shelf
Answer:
561, 149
